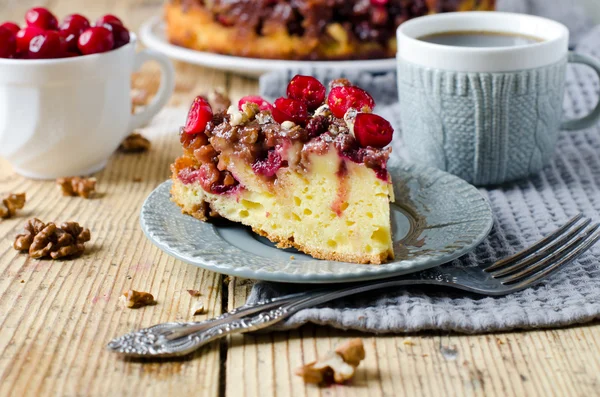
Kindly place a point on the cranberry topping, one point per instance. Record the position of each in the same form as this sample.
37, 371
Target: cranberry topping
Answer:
8, 43
13, 27
41, 18
47, 45
120, 33
95, 40
307, 89
287, 109
108, 18
71, 28
262, 103
317, 126
199, 115
24, 37
372, 130
345, 97
269, 166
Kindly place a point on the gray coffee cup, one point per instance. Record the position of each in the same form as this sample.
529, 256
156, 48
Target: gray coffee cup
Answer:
487, 114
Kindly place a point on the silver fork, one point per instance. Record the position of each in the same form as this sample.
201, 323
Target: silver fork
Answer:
508, 275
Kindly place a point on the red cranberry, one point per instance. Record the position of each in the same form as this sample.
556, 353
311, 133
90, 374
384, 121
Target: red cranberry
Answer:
95, 40
24, 37
269, 166
307, 89
287, 109
13, 27
46, 45
120, 33
41, 18
108, 18
262, 103
8, 43
372, 130
199, 115
71, 28
379, 2
343, 98
379, 16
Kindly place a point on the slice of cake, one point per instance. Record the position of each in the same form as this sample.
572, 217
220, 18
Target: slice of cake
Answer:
300, 29
308, 171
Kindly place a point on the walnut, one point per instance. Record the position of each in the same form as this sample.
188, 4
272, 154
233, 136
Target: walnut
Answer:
76, 186
48, 240
219, 101
135, 299
10, 204
194, 292
198, 308
338, 366
135, 143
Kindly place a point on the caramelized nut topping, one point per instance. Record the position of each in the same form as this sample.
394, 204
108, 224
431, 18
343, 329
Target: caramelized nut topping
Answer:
10, 204
76, 186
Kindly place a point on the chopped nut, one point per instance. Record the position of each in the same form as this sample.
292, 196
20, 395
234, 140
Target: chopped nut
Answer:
338, 366
349, 118
48, 240
135, 299
137, 179
194, 292
135, 143
288, 125
198, 308
323, 110
219, 101
237, 117
76, 186
10, 204
250, 109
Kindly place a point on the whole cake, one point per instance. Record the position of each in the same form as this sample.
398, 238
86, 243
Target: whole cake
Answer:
308, 171
299, 29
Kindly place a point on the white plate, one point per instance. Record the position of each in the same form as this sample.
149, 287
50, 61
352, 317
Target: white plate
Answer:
153, 36
437, 218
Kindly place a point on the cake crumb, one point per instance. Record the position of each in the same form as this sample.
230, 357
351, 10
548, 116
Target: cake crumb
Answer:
338, 366
194, 292
198, 308
135, 299
292, 257
10, 204
137, 179
408, 341
77, 187
22, 281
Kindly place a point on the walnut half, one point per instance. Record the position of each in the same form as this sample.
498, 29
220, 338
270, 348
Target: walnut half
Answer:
134, 299
10, 204
76, 186
48, 240
135, 143
338, 366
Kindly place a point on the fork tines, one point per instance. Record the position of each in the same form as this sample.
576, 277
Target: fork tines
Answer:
549, 254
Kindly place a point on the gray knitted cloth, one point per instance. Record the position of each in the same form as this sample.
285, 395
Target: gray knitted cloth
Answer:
523, 213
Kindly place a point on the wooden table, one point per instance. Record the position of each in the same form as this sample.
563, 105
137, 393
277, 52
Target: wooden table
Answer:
56, 317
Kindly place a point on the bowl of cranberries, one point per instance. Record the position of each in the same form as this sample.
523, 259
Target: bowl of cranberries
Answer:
65, 100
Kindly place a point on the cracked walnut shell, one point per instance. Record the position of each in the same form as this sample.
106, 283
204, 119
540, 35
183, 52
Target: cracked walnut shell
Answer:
76, 186
135, 299
48, 240
10, 204
338, 366
135, 143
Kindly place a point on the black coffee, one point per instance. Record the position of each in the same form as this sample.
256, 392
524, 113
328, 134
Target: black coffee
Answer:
479, 39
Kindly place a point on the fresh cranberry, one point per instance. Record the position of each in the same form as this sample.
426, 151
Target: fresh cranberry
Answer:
71, 28
262, 103
108, 18
24, 37
46, 45
13, 27
269, 166
379, 2
287, 109
343, 98
199, 115
41, 18
372, 130
8, 43
379, 16
95, 40
307, 89
120, 33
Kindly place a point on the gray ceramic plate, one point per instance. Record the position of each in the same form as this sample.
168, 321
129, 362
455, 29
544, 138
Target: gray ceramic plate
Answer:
437, 217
